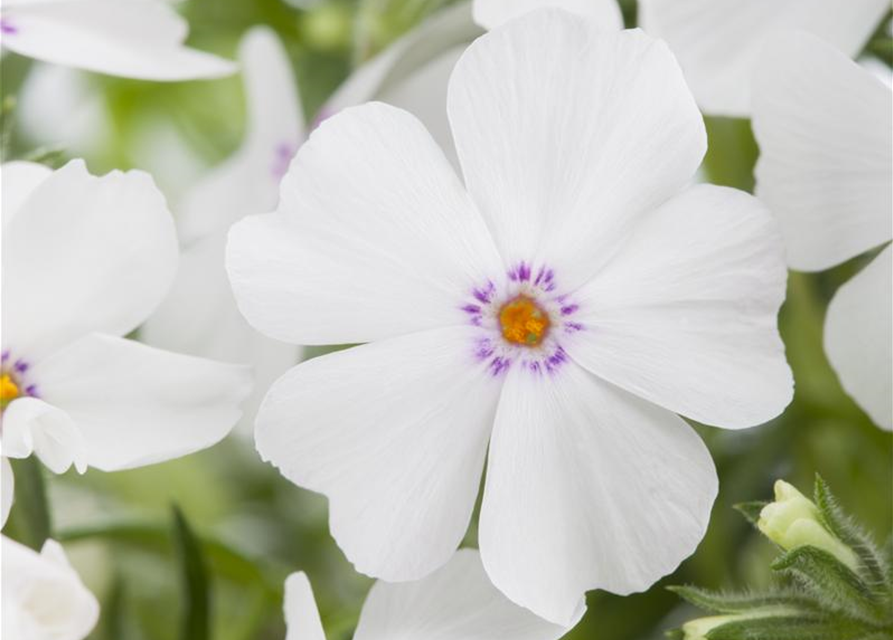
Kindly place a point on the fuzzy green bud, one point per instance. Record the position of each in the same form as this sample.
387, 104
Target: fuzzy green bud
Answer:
699, 628
792, 521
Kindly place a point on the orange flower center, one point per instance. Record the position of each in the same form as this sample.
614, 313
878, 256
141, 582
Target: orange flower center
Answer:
523, 322
9, 390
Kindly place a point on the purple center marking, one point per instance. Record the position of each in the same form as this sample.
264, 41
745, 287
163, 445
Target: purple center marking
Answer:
282, 156
7, 27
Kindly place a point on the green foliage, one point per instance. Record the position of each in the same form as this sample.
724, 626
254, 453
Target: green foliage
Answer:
30, 521
194, 579
816, 595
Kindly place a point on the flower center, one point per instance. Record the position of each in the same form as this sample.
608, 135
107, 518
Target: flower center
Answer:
523, 321
9, 390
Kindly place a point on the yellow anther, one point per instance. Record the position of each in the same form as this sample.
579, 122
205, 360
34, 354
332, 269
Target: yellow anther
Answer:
523, 322
9, 390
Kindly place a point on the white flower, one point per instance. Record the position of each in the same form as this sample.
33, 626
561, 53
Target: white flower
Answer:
85, 260
414, 71
130, 38
826, 171
563, 309
457, 602
199, 316
43, 596
718, 41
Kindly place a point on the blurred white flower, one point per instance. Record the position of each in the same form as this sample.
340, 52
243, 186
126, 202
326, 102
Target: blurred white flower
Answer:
456, 602
826, 171
130, 38
199, 315
85, 260
414, 71
718, 41
43, 596
564, 308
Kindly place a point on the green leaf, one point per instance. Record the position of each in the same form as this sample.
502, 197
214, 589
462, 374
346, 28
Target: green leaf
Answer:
833, 584
718, 602
194, 577
33, 524
787, 628
113, 615
675, 634
842, 526
751, 510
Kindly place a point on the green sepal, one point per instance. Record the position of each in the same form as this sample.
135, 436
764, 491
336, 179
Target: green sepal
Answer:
718, 602
196, 615
835, 586
787, 628
842, 526
751, 510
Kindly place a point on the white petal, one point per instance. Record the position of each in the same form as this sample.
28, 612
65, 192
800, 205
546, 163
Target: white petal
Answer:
394, 434
301, 615
718, 41
43, 597
826, 165
858, 340
84, 254
374, 237
19, 179
588, 487
493, 13
200, 317
249, 181
135, 39
685, 315
566, 133
31, 425
136, 405
8, 489
456, 602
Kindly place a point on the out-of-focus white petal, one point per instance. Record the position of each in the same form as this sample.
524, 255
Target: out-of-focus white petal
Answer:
136, 39
718, 41
63, 107
826, 163
43, 596
301, 615
588, 487
493, 13
457, 601
7, 490
374, 237
31, 425
567, 133
858, 340
19, 180
136, 405
200, 317
394, 433
84, 254
685, 314
249, 181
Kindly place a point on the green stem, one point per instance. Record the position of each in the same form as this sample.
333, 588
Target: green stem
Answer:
31, 507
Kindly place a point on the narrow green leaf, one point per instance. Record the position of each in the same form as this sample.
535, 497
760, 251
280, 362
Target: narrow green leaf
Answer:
842, 526
751, 510
32, 514
113, 615
194, 577
833, 584
786, 628
718, 602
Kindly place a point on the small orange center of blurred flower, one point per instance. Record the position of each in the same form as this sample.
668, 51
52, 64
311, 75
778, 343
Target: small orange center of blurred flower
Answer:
9, 390
523, 322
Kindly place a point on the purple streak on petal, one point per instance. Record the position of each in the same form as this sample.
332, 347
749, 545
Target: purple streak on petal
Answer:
282, 156
472, 309
484, 349
498, 365
5, 355
569, 309
7, 28
486, 294
31, 390
572, 327
556, 360
20, 366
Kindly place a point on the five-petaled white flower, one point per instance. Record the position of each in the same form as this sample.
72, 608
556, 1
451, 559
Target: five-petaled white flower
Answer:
826, 170
718, 42
456, 602
199, 315
43, 596
86, 260
562, 306
134, 39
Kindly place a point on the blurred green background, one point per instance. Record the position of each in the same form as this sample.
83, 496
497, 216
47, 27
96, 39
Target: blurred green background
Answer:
253, 527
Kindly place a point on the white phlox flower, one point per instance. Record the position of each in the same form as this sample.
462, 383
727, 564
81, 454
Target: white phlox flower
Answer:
140, 39
718, 41
826, 171
561, 307
456, 602
85, 260
413, 72
43, 596
199, 315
